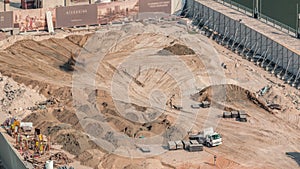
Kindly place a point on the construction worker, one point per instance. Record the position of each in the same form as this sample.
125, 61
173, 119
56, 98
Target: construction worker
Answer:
26, 142
16, 126
40, 146
36, 145
12, 129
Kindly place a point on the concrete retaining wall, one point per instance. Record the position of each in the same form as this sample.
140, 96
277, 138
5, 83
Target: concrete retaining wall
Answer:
233, 33
8, 156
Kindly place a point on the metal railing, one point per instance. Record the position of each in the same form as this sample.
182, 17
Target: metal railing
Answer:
278, 25
248, 42
263, 18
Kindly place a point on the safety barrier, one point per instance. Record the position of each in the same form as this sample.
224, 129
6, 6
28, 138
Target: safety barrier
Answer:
8, 156
272, 22
249, 43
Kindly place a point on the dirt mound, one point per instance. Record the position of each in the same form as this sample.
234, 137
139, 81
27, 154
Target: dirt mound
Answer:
17, 99
178, 49
74, 142
67, 116
90, 158
134, 129
113, 161
79, 40
60, 158
229, 95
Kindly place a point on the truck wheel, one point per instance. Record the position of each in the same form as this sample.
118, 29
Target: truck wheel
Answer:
208, 145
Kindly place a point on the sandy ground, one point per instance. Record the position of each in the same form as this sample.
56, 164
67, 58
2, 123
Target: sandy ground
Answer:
17, 99
116, 87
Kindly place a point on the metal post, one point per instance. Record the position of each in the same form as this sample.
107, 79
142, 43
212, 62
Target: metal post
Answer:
260, 3
261, 44
297, 23
193, 9
215, 159
213, 20
282, 48
265, 55
219, 26
255, 14
253, 7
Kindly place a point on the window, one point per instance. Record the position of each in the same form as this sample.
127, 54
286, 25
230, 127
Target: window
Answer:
217, 136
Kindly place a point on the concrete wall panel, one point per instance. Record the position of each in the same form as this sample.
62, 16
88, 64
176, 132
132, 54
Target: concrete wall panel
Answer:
8, 156
249, 38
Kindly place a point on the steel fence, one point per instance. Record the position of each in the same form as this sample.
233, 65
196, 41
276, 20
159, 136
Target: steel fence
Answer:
263, 18
249, 43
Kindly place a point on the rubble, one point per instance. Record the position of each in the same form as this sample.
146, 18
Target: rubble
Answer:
15, 98
60, 158
264, 90
274, 106
172, 145
195, 146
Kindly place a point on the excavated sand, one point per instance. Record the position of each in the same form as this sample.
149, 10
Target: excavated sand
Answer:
122, 98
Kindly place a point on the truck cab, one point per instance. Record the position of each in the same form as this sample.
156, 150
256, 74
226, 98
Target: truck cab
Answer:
207, 137
213, 140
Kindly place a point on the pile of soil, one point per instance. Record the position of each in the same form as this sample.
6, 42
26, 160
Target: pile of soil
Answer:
178, 49
229, 95
60, 158
74, 142
90, 158
134, 129
17, 99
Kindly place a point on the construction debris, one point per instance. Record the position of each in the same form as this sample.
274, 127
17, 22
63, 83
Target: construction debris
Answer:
264, 90
145, 149
242, 112
242, 118
172, 145
179, 144
177, 107
186, 144
224, 65
195, 106
274, 106
60, 158
205, 104
234, 114
65, 167
195, 146
227, 114
238, 115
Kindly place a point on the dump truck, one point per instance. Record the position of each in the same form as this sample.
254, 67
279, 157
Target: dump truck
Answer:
207, 137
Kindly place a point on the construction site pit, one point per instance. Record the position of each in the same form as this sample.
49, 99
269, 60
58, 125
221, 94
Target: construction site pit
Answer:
114, 97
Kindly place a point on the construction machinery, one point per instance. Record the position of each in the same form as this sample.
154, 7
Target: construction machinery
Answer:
207, 137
